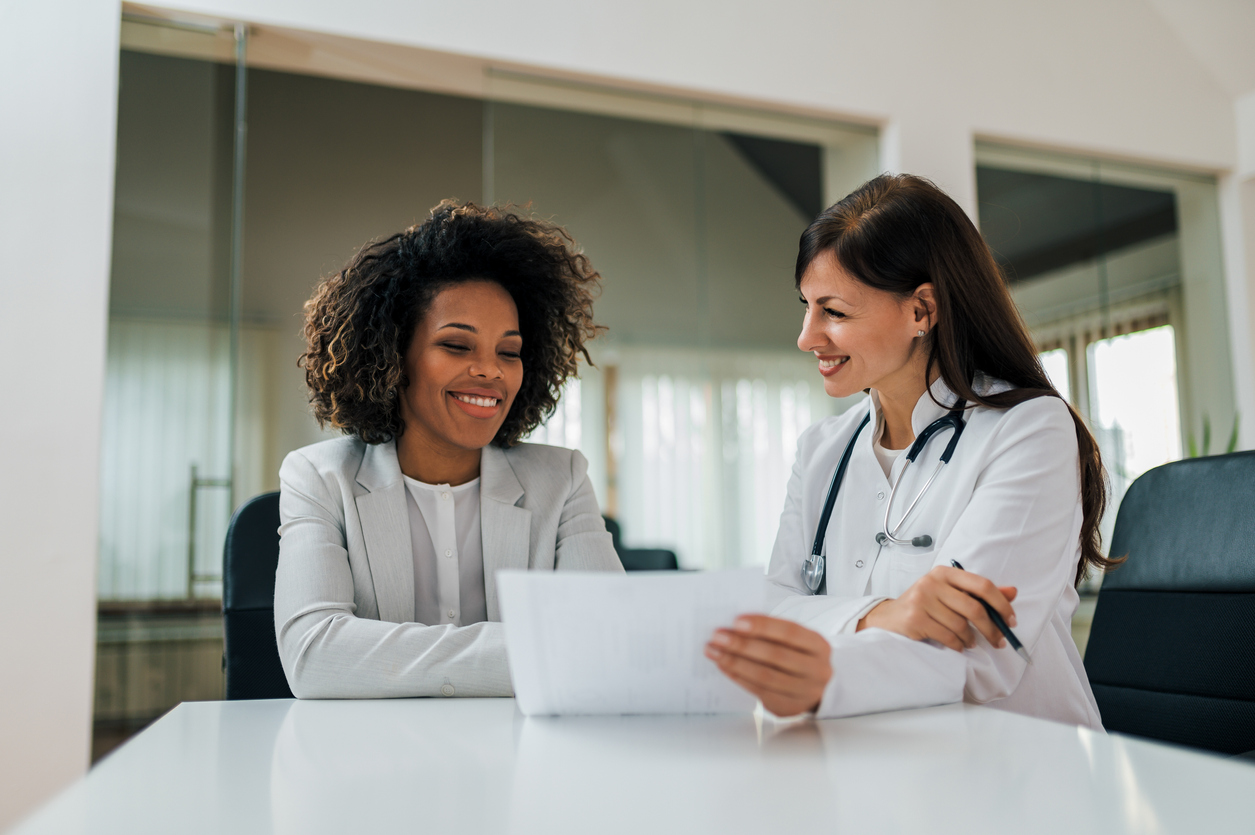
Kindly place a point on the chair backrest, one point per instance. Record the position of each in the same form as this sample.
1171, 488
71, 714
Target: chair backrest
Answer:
648, 559
251, 654
1171, 653
640, 559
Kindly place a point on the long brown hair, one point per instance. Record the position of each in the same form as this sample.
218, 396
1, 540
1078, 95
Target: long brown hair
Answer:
896, 232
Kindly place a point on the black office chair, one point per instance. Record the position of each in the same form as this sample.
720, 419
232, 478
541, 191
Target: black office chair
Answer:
1171, 653
250, 657
640, 559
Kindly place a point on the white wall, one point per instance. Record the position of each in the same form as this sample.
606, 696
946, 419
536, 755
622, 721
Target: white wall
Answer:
58, 98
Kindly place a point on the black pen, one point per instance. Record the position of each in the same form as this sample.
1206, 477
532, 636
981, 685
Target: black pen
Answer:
1000, 623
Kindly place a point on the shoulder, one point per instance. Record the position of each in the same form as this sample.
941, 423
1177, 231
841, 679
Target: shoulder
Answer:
547, 475
1044, 420
544, 459
338, 455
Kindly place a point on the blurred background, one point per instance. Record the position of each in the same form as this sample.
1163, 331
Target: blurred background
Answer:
254, 156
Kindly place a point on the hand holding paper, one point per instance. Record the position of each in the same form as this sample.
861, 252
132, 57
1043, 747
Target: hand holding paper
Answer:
606, 643
784, 664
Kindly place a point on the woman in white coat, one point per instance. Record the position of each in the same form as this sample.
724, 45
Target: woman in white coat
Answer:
904, 301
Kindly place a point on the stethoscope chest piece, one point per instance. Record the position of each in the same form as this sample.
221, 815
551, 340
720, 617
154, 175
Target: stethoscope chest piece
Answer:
813, 572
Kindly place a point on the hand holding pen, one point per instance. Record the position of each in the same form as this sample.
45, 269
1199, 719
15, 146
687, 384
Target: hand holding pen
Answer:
949, 606
1001, 624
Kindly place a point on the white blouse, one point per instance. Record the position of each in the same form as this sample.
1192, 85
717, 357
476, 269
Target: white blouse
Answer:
448, 553
1006, 507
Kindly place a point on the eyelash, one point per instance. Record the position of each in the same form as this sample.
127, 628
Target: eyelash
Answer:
456, 346
835, 314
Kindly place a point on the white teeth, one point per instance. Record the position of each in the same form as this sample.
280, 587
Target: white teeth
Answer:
486, 402
832, 363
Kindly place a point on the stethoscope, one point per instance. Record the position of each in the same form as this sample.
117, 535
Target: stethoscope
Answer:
814, 566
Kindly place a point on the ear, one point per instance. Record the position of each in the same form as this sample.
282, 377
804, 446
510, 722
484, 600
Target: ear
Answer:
924, 305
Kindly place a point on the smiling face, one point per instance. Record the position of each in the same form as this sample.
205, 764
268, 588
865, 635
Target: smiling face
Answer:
463, 367
863, 337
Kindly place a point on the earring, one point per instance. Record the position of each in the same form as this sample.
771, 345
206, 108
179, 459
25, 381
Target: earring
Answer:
919, 333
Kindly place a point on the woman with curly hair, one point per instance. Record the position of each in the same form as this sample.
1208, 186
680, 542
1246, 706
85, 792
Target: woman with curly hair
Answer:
435, 351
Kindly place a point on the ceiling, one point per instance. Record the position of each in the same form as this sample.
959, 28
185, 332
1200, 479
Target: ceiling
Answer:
1220, 34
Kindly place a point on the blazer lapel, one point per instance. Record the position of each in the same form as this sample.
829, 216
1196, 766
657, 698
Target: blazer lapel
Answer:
386, 531
505, 527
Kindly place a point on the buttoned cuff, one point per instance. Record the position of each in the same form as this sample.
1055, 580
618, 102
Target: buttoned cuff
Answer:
828, 616
851, 625
877, 670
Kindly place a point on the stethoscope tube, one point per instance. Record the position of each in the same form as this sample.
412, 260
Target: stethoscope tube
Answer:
953, 421
814, 567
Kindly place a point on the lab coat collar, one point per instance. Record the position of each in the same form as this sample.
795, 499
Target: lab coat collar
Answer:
926, 409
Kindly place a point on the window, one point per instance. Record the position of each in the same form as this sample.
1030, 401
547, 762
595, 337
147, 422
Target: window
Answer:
1055, 364
1116, 269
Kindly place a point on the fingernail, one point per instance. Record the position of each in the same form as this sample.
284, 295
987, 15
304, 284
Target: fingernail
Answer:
1013, 621
742, 625
721, 638
712, 652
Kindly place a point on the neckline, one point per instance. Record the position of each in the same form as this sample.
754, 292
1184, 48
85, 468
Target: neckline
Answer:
439, 488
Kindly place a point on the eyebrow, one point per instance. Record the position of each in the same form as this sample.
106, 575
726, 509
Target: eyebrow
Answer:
464, 327
826, 299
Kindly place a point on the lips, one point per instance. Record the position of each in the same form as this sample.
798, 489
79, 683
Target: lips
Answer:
478, 403
486, 402
831, 365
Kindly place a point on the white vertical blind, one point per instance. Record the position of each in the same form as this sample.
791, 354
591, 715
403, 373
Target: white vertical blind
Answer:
708, 444
166, 400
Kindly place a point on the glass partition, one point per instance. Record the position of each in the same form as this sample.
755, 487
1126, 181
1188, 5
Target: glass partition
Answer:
166, 462
693, 223
166, 468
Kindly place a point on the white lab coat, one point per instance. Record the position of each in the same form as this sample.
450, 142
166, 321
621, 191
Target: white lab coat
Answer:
1007, 507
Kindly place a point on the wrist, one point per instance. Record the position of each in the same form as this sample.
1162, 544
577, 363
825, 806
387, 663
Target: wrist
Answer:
870, 619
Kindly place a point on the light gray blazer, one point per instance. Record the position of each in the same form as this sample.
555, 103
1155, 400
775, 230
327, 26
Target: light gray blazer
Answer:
344, 590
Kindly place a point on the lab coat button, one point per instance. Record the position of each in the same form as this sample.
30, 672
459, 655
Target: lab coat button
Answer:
448, 553
881, 495
858, 564
444, 495
450, 614
447, 689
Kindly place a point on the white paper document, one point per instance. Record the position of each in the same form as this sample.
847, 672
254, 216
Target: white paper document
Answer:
592, 642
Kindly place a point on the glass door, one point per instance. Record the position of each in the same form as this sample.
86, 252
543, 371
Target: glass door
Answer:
170, 384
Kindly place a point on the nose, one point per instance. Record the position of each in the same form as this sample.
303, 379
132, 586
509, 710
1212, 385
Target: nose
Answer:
486, 365
812, 336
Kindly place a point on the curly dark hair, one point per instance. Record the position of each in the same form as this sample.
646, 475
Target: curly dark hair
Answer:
359, 322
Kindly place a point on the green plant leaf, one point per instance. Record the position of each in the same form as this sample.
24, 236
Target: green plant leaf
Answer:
1206, 434
1233, 437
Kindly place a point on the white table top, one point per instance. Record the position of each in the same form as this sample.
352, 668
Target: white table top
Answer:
479, 766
